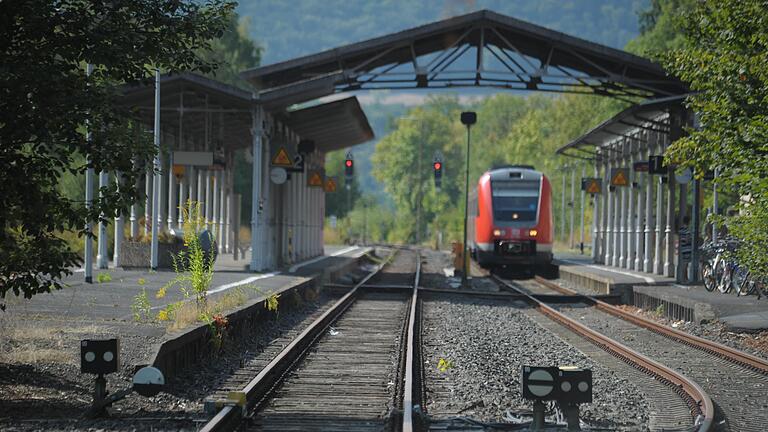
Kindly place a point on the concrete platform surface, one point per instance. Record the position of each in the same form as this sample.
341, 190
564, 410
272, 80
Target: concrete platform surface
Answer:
746, 312
650, 291
111, 298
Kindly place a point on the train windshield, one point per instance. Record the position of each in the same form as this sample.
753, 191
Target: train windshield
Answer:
515, 201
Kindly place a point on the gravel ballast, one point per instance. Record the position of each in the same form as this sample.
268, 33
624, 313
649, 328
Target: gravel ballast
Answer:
486, 343
52, 394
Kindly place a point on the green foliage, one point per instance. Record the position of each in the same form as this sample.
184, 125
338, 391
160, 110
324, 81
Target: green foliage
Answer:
194, 271
141, 308
103, 277
234, 51
659, 29
46, 99
510, 130
725, 60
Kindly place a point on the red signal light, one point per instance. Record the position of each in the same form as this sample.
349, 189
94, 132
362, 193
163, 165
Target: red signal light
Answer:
438, 165
348, 163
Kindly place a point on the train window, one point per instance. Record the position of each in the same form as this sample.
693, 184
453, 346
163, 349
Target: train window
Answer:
515, 201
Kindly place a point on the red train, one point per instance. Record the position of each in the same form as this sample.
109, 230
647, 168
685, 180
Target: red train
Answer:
510, 221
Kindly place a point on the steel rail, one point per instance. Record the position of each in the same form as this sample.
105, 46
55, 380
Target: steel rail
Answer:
410, 370
230, 416
697, 399
723, 351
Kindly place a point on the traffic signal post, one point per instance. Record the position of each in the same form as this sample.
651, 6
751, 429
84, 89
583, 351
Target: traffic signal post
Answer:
468, 118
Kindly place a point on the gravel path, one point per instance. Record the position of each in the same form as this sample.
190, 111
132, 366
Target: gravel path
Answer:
51, 394
486, 343
741, 401
755, 343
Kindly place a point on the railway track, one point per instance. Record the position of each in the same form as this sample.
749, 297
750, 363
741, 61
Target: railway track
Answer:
352, 369
736, 382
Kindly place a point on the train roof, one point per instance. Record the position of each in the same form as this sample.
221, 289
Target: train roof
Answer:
516, 172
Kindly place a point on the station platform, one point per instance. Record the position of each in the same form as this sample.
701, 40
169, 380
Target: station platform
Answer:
107, 307
659, 293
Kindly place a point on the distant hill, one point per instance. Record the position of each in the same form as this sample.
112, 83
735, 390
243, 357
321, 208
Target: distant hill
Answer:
289, 29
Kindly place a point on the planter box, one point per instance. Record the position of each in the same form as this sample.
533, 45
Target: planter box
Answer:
137, 254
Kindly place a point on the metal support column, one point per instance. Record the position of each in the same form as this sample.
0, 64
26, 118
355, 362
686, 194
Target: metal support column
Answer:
134, 220
572, 204
119, 227
693, 274
102, 257
89, 173
173, 185
208, 200
214, 222
618, 227
639, 220
562, 206
581, 236
162, 172
650, 239
156, 179
257, 129
183, 188
629, 255
148, 183
669, 240
715, 203
609, 199
597, 219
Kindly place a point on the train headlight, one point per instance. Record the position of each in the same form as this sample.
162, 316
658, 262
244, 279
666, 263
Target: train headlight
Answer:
533, 233
498, 232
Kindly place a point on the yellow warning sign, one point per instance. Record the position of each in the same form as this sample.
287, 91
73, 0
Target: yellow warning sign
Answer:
315, 179
178, 171
620, 177
282, 159
330, 184
593, 186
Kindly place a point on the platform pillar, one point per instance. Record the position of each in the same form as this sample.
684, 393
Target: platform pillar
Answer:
607, 238
148, 202
173, 185
183, 188
629, 256
119, 228
102, 257
650, 218
257, 130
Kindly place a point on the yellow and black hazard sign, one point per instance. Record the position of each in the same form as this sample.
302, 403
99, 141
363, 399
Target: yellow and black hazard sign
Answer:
178, 171
330, 184
592, 185
315, 179
620, 176
281, 158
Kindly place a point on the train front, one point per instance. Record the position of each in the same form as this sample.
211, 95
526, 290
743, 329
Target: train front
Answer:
514, 225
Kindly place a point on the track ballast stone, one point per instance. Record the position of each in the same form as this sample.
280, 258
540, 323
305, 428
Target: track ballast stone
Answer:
485, 343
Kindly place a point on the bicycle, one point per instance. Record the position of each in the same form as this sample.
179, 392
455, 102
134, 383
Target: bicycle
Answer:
718, 271
754, 285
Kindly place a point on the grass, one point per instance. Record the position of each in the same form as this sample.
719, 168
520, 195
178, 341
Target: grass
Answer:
103, 277
187, 313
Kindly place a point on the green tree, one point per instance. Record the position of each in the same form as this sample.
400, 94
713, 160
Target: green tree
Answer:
725, 60
234, 51
659, 28
47, 99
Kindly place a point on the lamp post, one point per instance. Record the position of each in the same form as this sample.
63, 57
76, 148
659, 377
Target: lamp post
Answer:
468, 118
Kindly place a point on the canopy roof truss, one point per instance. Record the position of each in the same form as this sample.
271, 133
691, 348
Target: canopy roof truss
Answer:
481, 49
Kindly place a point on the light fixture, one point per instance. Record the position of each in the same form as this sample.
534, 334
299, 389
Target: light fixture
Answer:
533, 233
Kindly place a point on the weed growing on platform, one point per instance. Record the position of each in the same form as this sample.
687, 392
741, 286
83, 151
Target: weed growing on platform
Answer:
103, 277
141, 307
194, 269
659, 311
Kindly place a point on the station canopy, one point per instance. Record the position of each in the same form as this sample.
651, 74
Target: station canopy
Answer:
194, 105
648, 115
480, 49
